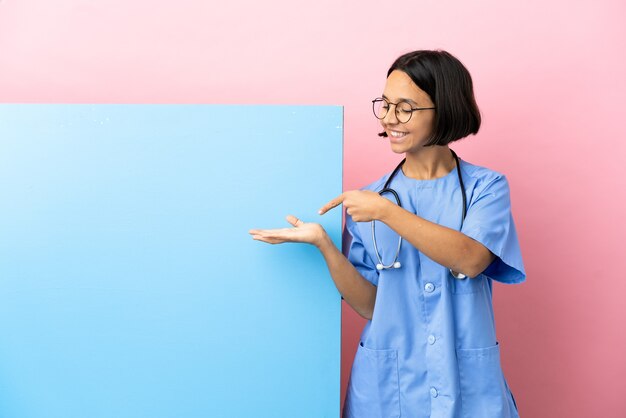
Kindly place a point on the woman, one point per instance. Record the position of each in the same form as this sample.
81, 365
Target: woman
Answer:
429, 348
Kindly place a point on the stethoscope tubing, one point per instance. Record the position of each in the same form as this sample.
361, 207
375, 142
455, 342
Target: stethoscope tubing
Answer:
395, 264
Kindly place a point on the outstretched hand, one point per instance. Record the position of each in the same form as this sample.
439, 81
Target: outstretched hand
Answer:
361, 205
310, 233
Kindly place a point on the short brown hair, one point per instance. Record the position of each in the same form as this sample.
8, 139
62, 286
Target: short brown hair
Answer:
449, 85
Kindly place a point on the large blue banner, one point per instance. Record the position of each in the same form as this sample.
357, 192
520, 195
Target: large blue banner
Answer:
129, 286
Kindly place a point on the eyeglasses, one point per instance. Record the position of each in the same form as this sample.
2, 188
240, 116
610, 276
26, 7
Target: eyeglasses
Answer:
404, 111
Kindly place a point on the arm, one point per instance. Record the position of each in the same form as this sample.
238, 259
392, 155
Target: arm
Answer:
443, 245
355, 289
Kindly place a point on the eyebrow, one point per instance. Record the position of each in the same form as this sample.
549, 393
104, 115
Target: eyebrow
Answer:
402, 100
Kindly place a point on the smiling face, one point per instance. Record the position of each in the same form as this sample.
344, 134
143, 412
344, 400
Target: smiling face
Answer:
407, 137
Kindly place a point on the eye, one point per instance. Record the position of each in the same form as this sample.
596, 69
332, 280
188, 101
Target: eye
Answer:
404, 108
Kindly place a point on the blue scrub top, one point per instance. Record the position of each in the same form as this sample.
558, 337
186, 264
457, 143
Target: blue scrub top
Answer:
430, 349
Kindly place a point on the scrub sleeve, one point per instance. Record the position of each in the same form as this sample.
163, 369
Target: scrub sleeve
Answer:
356, 252
490, 222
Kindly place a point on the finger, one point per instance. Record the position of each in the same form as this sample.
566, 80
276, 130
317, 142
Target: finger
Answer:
272, 236
266, 233
262, 232
332, 204
294, 221
270, 232
267, 239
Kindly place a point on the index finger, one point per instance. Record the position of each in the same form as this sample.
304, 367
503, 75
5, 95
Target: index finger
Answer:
332, 204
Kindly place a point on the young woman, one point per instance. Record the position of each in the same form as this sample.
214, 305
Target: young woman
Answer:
426, 242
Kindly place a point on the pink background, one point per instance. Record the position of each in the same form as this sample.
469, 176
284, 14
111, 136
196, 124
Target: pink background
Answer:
549, 79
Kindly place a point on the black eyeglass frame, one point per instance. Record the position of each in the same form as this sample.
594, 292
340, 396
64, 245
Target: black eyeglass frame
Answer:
382, 99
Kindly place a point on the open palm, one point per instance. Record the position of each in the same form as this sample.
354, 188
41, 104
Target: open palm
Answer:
310, 233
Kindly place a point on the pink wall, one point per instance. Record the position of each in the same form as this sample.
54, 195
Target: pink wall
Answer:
549, 79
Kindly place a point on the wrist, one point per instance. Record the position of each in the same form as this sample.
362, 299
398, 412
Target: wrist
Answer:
323, 242
385, 210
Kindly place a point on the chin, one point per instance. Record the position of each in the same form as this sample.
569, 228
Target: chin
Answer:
398, 149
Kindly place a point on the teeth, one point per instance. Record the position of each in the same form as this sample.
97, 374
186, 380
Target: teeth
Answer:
397, 134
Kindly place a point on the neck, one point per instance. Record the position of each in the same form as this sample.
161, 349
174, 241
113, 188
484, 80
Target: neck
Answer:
429, 163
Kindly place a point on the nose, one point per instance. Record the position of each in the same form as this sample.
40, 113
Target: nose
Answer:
391, 118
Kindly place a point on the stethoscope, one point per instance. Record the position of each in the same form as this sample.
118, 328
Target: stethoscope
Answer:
395, 264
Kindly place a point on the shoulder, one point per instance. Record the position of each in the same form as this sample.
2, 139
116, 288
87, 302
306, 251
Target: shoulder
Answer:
482, 178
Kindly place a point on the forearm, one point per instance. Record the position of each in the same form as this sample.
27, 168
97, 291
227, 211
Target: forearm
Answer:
443, 245
355, 289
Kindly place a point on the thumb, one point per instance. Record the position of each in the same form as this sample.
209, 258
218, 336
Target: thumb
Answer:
294, 221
